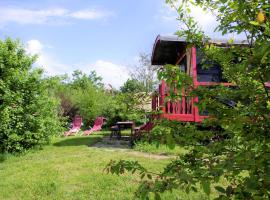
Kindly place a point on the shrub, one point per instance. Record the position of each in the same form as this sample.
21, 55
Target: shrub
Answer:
28, 114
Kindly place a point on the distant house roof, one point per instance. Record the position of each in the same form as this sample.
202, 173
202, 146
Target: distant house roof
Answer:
167, 49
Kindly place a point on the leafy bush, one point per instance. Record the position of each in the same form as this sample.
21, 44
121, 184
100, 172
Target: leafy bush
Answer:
29, 115
82, 94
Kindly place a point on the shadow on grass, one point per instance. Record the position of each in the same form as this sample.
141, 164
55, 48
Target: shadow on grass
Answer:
114, 143
78, 141
3, 157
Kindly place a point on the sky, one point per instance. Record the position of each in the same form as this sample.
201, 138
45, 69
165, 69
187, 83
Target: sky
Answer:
102, 35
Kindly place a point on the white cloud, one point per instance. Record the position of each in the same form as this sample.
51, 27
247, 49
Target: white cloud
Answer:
206, 20
44, 60
166, 14
89, 14
48, 16
111, 73
34, 46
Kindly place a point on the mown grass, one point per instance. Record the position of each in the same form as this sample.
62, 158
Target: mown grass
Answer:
71, 169
159, 149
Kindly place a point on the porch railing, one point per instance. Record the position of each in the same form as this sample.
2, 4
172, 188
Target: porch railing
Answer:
184, 105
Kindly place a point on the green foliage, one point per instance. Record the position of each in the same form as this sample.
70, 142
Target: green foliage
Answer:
90, 99
29, 115
176, 79
133, 101
132, 86
83, 95
127, 106
237, 147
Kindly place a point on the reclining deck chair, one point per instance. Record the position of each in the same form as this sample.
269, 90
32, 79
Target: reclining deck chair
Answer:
97, 126
141, 131
76, 126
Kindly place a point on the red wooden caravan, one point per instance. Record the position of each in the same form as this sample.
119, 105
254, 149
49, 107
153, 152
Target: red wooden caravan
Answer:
174, 50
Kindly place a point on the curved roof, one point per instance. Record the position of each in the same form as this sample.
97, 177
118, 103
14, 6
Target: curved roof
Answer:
167, 49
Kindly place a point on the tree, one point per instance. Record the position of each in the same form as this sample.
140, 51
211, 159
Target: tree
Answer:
136, 99
28, 114
136, 92
133, 86
82, 94
145, 73
95, 79
242, 159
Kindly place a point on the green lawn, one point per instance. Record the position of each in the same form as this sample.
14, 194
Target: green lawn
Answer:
161, 149
71, 169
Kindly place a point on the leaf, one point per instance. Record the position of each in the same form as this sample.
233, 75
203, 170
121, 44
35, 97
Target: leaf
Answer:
149, 176
230, 41
170, 141
220, 189
206, 187
143, 175
252, 184
194, 189
254, 23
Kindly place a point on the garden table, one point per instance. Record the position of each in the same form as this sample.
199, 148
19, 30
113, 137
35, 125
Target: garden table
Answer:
124, 125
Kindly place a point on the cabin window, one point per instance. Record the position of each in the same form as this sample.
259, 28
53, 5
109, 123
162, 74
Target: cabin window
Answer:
206, 73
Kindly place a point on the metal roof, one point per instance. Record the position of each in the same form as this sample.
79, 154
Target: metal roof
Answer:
175, 38
172, 38
167, 49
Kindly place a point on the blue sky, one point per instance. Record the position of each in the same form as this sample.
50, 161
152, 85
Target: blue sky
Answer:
101, 35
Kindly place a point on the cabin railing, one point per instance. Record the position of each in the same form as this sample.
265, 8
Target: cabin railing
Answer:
183, 106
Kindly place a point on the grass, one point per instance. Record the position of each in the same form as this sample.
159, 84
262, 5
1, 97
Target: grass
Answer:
71, 168
161, 149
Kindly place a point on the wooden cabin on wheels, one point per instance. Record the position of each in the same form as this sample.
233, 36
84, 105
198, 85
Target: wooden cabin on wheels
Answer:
174, 50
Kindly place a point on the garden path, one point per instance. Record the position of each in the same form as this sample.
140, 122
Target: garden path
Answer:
108, 144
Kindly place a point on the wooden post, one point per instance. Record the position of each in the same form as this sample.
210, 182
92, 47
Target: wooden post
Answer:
154, 102
195, 84
183, 102
162, 96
